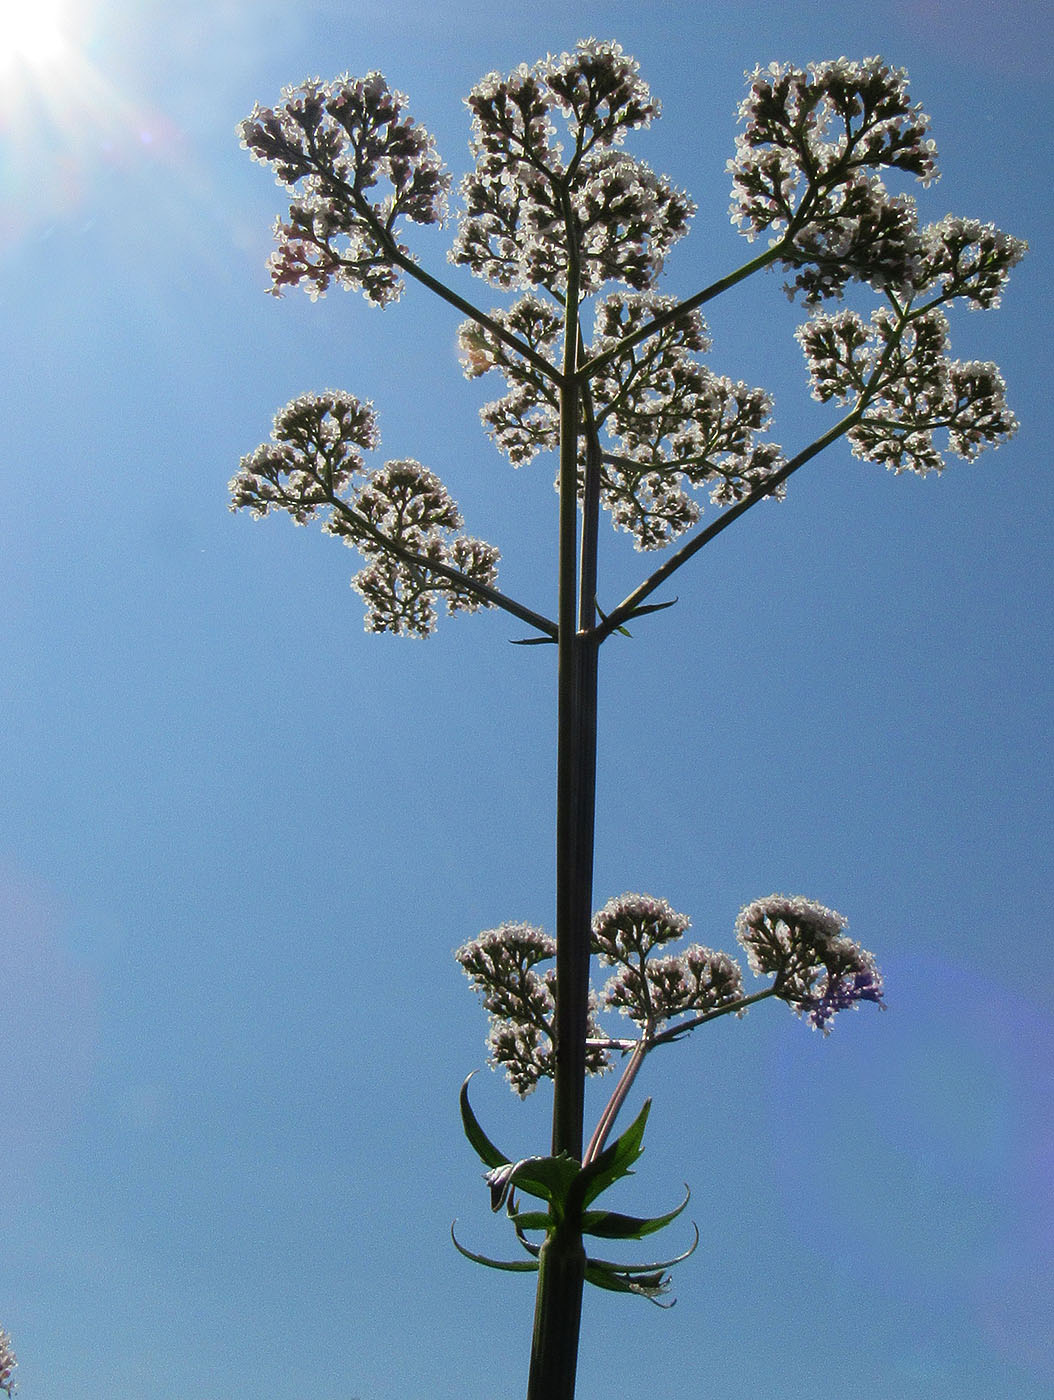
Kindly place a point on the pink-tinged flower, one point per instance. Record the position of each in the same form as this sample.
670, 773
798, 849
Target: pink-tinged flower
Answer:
967, 259
666, 423
501, 964
529, 200
333, 144
697, 981
817, 970
806, 167
399, 516
631, 925
897, 367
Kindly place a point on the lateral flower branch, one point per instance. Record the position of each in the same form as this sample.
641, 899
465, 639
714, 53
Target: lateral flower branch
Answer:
611, 376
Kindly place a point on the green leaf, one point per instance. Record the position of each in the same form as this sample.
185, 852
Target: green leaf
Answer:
548, 1178
512, 1266
602, 1276
532, 641
652, 607
484, 1148
616, 1160
611, 1225
657, 1267
530, 1219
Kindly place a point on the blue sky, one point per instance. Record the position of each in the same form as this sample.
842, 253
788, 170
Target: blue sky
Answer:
239, 838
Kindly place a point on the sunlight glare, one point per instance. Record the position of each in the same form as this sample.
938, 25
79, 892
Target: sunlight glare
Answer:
30, 33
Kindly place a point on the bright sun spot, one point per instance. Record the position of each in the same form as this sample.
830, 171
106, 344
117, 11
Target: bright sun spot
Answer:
30, 33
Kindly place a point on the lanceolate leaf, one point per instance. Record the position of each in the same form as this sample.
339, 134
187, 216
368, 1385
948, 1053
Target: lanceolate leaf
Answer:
530, 1220
549, 1178
611, 1225
484, 1148
617, 1159
512, 1266
657, 1267
652, 607
649, 1286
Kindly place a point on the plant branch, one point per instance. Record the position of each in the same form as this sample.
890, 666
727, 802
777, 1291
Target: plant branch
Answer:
674, 313
667, 1037
402, 259
412, 269
626, 608
483, 591
614, 1105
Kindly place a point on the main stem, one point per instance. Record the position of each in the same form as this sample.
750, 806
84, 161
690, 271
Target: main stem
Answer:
561, 1274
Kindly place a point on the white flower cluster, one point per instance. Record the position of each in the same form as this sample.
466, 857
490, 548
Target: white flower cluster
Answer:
652, 990
500, 965
897, 366
525, 206
817, 970
526, 420
967, 259
806, 167
669, 423
398, 516
331, 143
8, 1364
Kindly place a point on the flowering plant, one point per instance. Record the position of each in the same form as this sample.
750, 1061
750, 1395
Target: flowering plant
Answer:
606, 372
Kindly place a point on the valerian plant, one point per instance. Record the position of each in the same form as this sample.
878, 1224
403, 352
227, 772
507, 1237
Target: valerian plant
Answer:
602, 370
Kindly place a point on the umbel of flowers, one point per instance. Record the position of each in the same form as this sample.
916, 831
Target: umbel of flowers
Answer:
613, 378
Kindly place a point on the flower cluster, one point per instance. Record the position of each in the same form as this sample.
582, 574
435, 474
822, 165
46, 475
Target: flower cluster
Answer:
500, 964
802, 945
398, 516
331, 144
672, 422
526, 420
652, 990
817, 969
897, 368
669, 423
965, 258
8, 1363
527, 209
807, 163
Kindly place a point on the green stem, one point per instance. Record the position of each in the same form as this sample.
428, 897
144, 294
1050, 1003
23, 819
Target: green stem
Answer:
648, 1041
561, 1276
731, 1009
540, 363
618, 1098
557, 1315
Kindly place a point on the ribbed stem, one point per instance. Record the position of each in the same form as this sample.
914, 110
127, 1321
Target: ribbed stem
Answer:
561, 1276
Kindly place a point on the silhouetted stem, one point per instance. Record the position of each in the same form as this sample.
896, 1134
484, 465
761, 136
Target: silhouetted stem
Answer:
561, 1275
483, 591
626, 608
